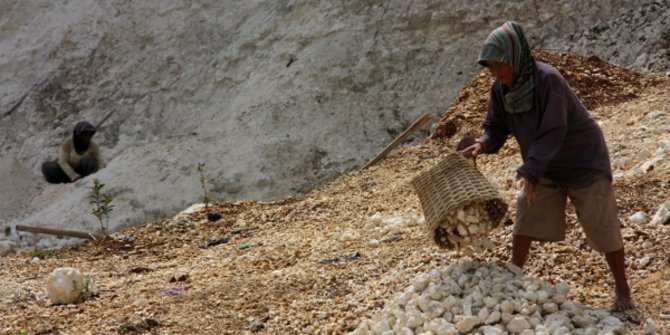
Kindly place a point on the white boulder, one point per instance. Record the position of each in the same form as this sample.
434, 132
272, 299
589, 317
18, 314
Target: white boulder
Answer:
65, 286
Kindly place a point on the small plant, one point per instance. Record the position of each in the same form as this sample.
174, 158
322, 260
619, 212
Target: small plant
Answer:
101, 204
206, 197
139, 327
37, 252
87, 292
126, 328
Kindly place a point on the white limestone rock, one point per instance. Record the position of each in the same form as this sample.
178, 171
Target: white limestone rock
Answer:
662, 215
644, 261
490, 330
582, 321
650, 327
65, 286
638, 218
518, 324
381, 326
421, 281
403, 298
611, 324
467, 323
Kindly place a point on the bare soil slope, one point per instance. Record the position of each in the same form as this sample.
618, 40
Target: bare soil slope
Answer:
318, 264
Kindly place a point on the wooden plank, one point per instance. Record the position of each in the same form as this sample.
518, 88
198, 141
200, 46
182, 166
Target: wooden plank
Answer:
59, 232
16, 105
104, 119
400, 139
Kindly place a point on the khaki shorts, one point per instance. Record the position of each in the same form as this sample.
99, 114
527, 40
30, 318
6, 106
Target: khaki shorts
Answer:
544, 219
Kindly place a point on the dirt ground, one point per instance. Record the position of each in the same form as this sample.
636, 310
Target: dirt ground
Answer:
320, 263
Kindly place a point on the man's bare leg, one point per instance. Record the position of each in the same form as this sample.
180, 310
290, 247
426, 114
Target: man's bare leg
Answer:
520, 248
615, 260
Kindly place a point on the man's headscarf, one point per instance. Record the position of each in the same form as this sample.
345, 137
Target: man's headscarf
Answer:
507, 44
79, 144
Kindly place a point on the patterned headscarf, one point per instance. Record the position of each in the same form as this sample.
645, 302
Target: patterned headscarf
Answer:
507, 44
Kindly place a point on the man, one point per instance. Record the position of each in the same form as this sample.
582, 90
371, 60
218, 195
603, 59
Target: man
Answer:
79, 157
563, 149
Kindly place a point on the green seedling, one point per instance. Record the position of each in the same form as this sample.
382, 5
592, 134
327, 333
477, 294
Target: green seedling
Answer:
206, 197
126, 328
37, 252
101, 204
85, 293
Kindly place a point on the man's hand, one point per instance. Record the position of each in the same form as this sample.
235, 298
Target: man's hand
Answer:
528, 188
472, 151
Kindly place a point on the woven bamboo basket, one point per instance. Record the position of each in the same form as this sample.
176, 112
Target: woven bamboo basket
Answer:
451, 184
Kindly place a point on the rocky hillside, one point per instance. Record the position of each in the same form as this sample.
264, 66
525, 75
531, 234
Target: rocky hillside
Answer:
273, 97
337, 259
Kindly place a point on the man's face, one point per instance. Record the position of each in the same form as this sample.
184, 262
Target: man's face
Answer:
86, 136
501, 71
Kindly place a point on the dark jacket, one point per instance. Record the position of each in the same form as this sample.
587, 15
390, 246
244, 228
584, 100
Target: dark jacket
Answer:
558, 137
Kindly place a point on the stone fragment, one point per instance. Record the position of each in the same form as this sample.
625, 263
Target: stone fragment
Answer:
518, 324
662, 215
638, 218
650, 327
550, 307
542, 296
507, 307
421, 281
494, 317
644, 261
440, 326
489, 302
582, 321
555, 321
483, 314
434, 309
562, 330
611, 324
490, 330
415, 320
381, 326
467, 323
403, 298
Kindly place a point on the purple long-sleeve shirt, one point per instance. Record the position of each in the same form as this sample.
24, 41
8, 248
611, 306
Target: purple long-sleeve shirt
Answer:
559, 139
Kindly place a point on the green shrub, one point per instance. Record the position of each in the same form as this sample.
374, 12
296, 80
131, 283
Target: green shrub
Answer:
101, 204
206, 197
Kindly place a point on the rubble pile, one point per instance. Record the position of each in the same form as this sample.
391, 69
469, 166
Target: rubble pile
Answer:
486, 298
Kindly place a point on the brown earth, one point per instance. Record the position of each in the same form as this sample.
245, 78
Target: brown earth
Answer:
321, 263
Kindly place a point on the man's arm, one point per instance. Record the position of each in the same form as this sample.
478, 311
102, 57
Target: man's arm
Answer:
63, 156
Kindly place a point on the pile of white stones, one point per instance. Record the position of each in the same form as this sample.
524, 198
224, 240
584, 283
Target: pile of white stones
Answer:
464, 229
486, 298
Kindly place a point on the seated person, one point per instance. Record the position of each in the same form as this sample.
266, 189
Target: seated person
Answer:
79, 157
